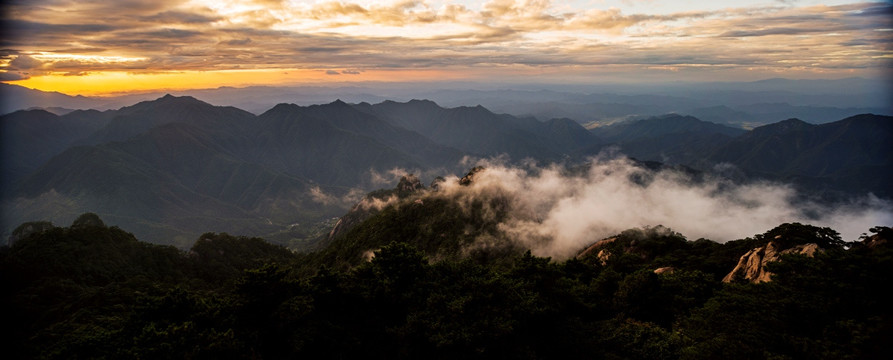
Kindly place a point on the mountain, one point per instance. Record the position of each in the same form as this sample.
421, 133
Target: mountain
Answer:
769, 112
169, 185
660, 126
175, 167
14, 97
337, 144
851, 155
30, 138
479, 131
725, 115
171, 177
135, 119
835, 159
672, 138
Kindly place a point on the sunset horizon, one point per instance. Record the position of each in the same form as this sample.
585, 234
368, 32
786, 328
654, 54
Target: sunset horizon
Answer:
97, 48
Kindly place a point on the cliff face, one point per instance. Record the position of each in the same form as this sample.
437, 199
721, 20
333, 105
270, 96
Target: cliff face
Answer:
602, 254
752, 265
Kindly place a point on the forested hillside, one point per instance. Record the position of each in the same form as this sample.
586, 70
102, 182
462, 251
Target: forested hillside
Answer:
91, 291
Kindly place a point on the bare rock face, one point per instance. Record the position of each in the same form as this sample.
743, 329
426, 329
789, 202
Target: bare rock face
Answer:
603, 254
752, 265
409, 184
665, 270
469, 178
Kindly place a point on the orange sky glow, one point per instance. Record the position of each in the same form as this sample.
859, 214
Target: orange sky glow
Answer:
117, 82
97, 47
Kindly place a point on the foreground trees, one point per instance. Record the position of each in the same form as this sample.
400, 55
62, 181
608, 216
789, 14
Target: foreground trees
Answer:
91, 291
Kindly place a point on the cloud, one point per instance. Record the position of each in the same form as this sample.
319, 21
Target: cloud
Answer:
76, 73
25, 62
237, 42
350, 198
556, 212
12, 76
531, 34
183, 17
332, 72
390, 177
22, 67
167, 33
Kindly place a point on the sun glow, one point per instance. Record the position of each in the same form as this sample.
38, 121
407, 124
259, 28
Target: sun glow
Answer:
117, 82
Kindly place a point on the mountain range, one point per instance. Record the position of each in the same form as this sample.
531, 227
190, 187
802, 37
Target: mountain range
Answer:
848, 156
738, 104
172, 168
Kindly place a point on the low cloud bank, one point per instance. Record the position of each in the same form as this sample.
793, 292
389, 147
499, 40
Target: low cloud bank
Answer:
346, 200
556, 211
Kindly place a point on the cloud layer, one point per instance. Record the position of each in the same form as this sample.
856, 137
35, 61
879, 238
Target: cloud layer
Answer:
557, 213
78, 36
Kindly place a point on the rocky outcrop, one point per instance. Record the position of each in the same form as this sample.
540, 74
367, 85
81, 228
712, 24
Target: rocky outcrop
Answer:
408, 185
752, 265
601, 254
469, 178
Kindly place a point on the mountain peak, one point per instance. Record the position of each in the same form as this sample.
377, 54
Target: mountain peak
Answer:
422, 102
791, 124
792, 121
168, 98
281, 107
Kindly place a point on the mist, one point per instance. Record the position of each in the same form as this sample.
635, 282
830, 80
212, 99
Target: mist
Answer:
556, 212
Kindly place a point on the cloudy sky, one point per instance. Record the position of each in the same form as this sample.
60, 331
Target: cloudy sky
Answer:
102, 46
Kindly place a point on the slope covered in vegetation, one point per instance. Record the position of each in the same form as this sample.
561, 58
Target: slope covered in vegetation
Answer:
91, 291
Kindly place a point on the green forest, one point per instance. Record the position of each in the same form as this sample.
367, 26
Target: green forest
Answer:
90, 291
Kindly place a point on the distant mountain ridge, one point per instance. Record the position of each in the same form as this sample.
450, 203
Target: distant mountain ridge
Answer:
852, 155
175, 167
849, 156
739, 104
657, 126
479, 131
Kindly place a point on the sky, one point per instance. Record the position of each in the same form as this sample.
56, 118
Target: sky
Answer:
96, 47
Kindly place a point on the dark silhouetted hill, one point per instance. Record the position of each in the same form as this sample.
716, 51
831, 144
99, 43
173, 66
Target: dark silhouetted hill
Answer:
479, 131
